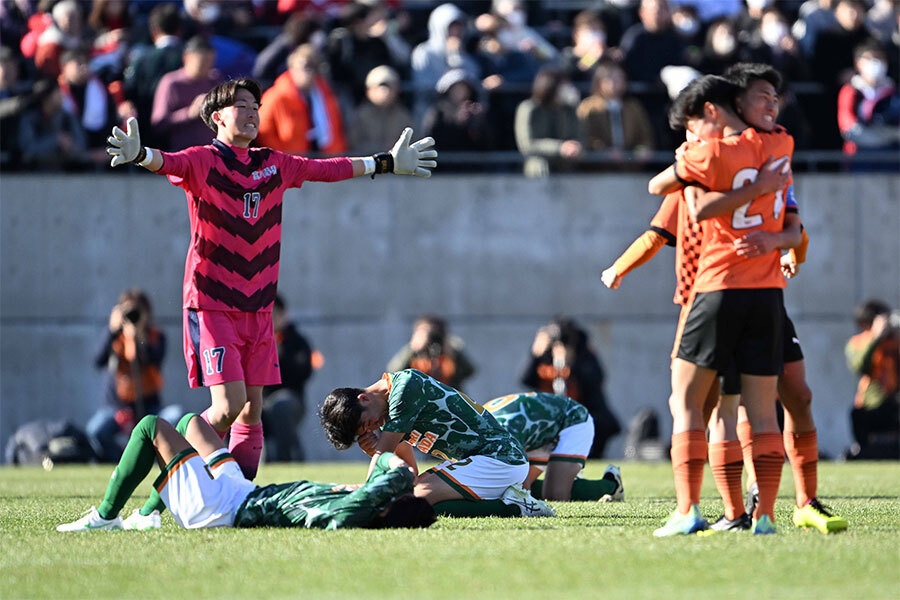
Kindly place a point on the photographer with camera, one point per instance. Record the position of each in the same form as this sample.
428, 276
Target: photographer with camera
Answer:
434, 352
132, 353
874, 356
563, 363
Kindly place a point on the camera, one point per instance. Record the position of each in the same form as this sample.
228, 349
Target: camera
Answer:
132, 315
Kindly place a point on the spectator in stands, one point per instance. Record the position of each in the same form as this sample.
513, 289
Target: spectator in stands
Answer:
444, 50
722, 49
15, 96
457, 118
652, 44
66, 32
352, 51
272, 61
546, 125
132, 353
49, 137
300, 113
377, 119
177, 102
686, 23
517, 35
588, 46
832, 60
562, 362
143, 74
610, 121
815, 16
434, 351
873, 355
773, 44
882, 20
86, 98
109, 22
284, 405
748, 21
869, 104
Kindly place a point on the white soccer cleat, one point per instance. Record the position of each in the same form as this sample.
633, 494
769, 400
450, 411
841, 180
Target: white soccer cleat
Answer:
91, 521
137, 521
528, 504
613, 473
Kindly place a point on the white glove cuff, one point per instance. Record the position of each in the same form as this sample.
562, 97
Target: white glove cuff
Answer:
147, 159
369, 163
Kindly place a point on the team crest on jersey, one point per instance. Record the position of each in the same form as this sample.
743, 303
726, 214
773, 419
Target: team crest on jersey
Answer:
264, 173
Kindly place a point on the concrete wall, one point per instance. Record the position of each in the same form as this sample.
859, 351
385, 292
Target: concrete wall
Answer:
497, 255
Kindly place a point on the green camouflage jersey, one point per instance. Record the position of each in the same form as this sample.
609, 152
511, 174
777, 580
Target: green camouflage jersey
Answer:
444, 422
325, 505
535, 419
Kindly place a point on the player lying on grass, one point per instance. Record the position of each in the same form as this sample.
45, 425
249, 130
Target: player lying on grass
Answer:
202, 486
234, 195
557, 433
483, 465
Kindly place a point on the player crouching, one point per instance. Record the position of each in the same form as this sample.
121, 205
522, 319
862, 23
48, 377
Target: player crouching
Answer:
484, 466
203, 487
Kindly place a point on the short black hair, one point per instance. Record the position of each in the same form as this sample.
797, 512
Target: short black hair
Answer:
223, 95
165, 19
198, 43
866, 311
868, 46
78, 53
340, 415
744, 74
707, 88
407, 511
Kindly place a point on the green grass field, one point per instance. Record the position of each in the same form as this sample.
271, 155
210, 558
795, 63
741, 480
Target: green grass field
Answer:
589, 551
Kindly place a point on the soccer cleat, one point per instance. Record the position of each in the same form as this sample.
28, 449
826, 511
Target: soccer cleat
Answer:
752, 499
139, 522
742, 523
91, 521
528, 504
813, 514
613, 473
679, 524
763, 526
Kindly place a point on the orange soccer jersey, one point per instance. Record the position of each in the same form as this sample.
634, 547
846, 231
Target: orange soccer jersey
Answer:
674, 223
726, 164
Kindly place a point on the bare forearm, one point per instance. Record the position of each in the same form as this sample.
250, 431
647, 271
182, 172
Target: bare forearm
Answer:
713, 204
664, 182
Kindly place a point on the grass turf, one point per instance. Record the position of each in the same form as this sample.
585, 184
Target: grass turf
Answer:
590, 550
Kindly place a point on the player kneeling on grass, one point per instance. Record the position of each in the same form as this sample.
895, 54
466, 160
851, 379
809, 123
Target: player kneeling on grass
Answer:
484, 466
234, 195
202, 486
557, 433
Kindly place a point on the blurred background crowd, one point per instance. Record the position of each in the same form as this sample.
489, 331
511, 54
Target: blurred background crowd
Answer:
561, 84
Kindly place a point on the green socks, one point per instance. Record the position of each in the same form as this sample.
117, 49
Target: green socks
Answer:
154, 502
583, 490
476, 508
137, 460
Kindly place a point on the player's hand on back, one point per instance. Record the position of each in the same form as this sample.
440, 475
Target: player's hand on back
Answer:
124, 146
773, 176
413, 158
755, 243
610, 278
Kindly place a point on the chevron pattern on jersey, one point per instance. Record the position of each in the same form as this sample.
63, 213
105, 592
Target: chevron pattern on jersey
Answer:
238, 225
235, 298
234, 262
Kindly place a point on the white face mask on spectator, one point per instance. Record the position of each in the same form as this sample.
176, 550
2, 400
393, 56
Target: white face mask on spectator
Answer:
568, 94
772, 32
759, 4
687, 26
592, 37
872, 69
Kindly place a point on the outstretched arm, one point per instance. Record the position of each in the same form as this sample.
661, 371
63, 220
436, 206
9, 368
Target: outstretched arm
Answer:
405, 158
125, 147
640, 251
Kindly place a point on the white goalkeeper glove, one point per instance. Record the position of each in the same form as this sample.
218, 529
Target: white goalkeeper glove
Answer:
408, 159
126, 147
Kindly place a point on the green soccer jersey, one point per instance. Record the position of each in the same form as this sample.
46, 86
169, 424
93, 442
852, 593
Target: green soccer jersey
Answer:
535, 419
325, 505
444, 422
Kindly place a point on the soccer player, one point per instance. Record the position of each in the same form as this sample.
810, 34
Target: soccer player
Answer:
212, 492
234, 195
557, 433
483, 465
736, 307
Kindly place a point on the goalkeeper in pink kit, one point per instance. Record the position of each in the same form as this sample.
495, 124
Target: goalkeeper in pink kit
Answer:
234, 196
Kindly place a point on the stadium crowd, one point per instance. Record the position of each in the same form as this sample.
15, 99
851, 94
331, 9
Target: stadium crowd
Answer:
554, 80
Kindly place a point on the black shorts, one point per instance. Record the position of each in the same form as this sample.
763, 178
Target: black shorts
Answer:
731, 377
743, 326
731, 380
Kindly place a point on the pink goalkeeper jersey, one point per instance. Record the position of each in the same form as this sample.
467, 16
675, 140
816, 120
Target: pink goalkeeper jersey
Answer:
234, 199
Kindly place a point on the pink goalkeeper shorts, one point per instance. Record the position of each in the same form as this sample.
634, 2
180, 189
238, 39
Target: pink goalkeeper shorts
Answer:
222, 346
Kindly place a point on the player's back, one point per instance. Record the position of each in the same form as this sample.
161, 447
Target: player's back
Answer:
731, 163
535, 418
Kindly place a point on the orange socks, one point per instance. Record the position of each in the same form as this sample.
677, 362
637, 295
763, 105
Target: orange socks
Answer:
745, 435
803, 452
688, 456
726, 462
768, 461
